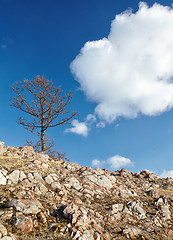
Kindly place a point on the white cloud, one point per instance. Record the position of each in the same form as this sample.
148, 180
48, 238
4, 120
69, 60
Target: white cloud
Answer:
100, 125
90, 118
118, 161
114, 162
79, 128
131, 71
96, 163
166, 174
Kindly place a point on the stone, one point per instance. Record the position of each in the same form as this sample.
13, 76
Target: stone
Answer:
137, 208
26, 206
6, 238
37, 176
30, 177
1, 148
22, 176
6, 215
43, 189
4, 171
13, 237
14, 176
3, 230
3, 180
166, 212
27, 150
26, 183
86, 235
56, 186
117, 208
21, 223
44, 166
48, 179
73, 182
132, 233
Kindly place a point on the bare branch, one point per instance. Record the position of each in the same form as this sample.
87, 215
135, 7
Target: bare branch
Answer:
45, 103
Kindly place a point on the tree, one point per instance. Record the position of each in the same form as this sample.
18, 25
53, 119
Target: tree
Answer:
44, 103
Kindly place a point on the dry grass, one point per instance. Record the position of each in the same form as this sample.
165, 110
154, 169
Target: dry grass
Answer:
12, 163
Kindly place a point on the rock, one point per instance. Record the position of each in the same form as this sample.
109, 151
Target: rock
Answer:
14, 176
21, 223
26, 206
13, 237
28, 150
6, 238
73, 182
49, 179
69, 211
30, 177
21, 176
153, 193
137, 208
3, 179
87, 234
6, 215
3, 230
37, 176
132, 233
117, 208
1, 148
43, 189
56, 186
166, 212
4, 171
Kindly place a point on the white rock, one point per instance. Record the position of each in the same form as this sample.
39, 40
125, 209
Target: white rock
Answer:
14, 176
37, 176
22, 176
6, 238
48, 179
117, 208
30, 177
3, 180
86, 235
1, 148
4, 171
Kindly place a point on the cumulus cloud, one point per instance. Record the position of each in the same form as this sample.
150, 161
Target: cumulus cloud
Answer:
114, 162
82, 128
118, 161
166, 174
96, 163
130, 72
79, 128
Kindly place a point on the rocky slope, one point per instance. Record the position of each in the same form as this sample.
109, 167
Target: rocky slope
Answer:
42, 198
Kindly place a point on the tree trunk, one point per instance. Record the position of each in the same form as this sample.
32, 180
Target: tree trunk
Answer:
42, 141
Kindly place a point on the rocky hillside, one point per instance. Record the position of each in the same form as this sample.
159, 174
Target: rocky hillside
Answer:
44, 198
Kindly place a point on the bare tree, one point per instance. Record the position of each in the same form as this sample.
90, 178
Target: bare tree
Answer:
45, 103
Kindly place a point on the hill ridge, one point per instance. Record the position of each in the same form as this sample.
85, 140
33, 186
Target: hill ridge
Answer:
45, 198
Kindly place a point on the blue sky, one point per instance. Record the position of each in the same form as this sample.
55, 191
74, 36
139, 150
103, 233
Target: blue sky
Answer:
119, 124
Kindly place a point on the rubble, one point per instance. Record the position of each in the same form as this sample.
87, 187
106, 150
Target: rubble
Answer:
44, 198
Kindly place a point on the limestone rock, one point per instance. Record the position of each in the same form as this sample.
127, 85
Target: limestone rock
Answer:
14, 176
22, 224
3, 179
26, 206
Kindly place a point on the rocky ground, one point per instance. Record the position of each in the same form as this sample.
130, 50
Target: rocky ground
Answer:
44, 198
